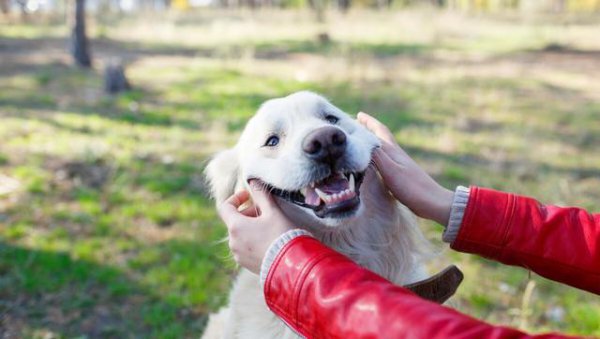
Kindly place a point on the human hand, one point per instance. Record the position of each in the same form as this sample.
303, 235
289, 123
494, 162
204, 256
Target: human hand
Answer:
408, 182
253, 229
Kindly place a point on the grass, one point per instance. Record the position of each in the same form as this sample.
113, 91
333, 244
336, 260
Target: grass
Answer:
111, 234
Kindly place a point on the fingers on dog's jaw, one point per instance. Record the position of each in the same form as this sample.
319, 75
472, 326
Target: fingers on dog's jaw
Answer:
367, 120
381, 160
229, 208
384, 161
257, 186
262, 199
233, 232
238, 199
251, 211
260, 193
376, 127
232, 248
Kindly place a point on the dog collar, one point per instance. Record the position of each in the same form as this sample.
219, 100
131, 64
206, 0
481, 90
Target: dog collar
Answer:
440, 287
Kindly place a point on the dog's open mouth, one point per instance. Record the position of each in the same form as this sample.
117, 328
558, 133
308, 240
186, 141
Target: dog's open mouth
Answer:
337, 195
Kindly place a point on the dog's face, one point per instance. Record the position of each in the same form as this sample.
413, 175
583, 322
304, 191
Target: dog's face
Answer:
307, 152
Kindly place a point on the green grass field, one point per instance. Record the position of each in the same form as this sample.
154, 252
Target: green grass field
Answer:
110, 232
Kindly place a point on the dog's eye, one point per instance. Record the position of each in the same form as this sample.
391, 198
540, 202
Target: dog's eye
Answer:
272, 141
332, 119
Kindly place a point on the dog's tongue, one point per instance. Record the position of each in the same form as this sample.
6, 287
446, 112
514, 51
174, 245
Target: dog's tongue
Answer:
334, 184
331, 185
312, 198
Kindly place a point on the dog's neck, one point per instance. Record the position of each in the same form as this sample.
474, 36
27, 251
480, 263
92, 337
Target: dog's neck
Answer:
381, 238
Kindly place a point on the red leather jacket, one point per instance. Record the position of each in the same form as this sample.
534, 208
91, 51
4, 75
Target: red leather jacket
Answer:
322, 294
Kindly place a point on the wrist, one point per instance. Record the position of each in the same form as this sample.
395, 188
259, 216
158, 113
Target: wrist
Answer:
442, 206
436, 204
428, 199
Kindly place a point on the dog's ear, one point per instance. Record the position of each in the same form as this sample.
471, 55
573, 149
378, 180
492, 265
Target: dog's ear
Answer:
222, 174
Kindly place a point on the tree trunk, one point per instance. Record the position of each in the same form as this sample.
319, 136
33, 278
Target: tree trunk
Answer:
318, 6
115, 80
344, 5
23, 7
4, 6
560, 6
79, 41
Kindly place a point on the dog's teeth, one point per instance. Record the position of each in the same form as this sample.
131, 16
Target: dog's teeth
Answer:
351, 184
322, 195
303, 191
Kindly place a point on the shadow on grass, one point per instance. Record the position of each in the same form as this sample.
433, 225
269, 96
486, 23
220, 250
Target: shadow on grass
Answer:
566, 49
101, 48
49, 290
151, 223
192, 104
281, 49
44, 108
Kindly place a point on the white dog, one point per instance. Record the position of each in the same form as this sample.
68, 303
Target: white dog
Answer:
316, 160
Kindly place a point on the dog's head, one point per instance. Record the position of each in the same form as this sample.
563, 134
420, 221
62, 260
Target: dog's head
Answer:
308, 153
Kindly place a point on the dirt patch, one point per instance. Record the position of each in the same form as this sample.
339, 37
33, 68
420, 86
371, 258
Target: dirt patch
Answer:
93, 175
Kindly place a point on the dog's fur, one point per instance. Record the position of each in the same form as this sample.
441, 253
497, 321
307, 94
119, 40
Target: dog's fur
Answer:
380, 235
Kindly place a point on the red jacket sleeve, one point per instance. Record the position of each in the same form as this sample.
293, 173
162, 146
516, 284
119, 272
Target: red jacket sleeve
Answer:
562, 244
322, 294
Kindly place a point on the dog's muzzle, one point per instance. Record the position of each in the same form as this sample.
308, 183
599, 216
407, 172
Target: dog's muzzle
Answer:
337, 195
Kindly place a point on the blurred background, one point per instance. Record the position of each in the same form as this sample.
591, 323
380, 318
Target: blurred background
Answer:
109, 110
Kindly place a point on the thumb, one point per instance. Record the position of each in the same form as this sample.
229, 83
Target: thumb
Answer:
228, 209
260, 194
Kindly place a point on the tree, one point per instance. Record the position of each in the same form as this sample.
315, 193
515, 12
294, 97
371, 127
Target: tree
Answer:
344, 5
319, 7
4, 6
79, 40
115, 80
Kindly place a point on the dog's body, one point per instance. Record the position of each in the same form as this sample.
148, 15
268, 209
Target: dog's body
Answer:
313, 157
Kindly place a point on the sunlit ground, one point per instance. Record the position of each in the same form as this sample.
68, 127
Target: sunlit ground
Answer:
110, 232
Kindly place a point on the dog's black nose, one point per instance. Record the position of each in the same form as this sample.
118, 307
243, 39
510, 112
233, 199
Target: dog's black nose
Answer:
325, 144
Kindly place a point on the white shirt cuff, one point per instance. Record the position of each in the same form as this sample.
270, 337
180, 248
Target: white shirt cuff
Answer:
274, 250
459, 205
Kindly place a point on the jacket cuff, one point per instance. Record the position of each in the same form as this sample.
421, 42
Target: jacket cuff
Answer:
457, 213
275, 248
487, 220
